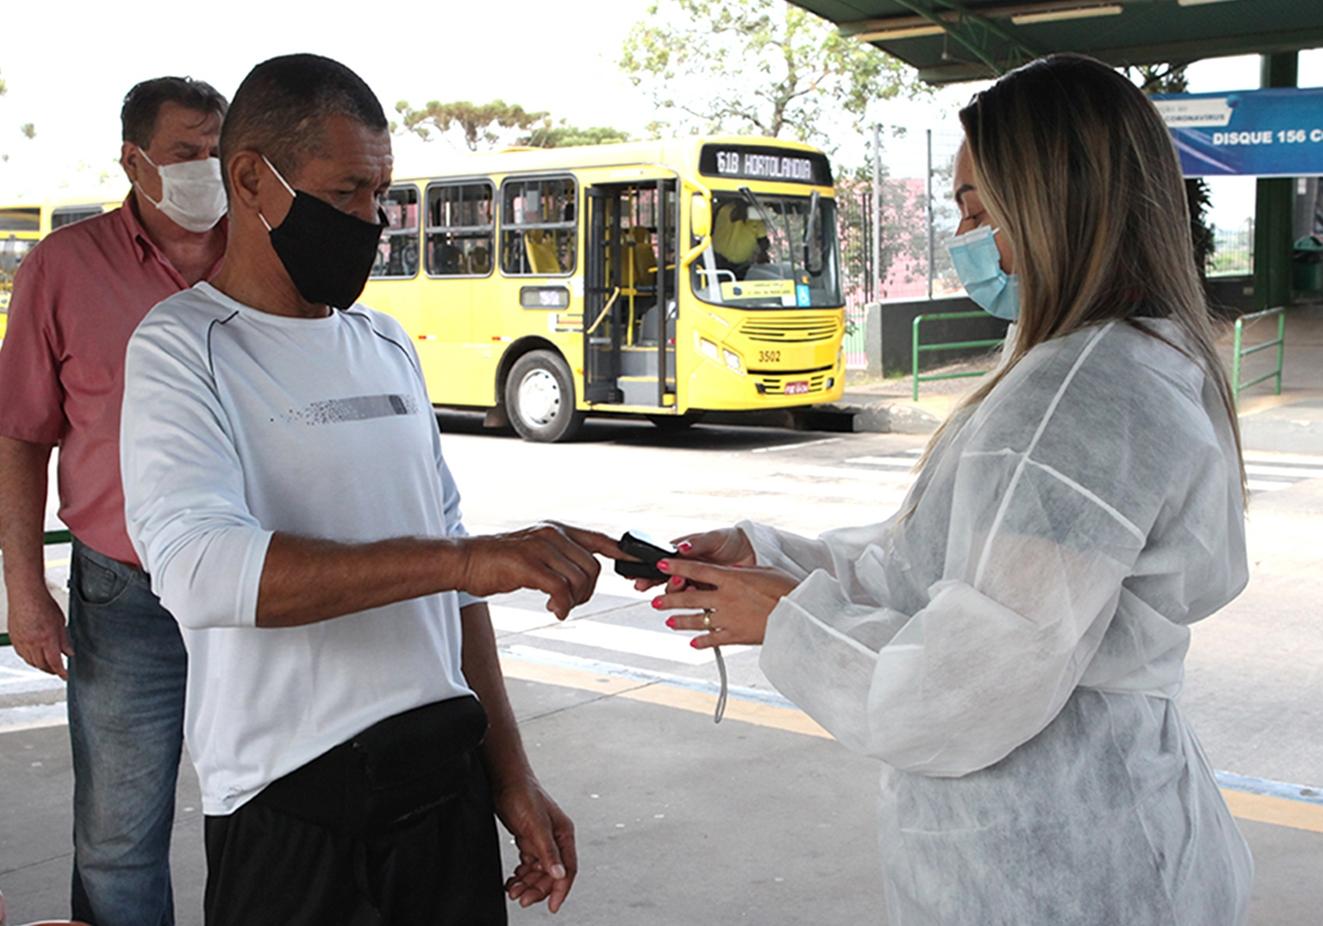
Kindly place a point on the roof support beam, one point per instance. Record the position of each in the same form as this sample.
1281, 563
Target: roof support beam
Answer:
996, 28
972, 31
1173, 52
988, 14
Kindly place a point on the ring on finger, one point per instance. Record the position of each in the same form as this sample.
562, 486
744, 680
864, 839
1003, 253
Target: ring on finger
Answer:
707, 618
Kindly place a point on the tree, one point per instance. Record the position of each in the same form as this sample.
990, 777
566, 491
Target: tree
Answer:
28, 130
759, 66
564, 135
479, 124
498, 124
1171, 79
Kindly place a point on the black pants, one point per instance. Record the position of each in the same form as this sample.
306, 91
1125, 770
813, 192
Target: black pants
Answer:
394, 827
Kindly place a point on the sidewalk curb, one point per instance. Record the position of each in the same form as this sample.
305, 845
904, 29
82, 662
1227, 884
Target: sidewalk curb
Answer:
887, 416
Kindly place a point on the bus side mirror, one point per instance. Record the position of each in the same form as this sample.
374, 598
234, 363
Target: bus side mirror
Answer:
700, 215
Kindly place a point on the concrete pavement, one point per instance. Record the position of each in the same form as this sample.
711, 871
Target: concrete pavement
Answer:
760, 820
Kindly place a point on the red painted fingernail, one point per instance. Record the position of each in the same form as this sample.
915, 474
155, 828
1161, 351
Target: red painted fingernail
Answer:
694, 642
684, 546
670, 622
664, 565
676, 581
657, 602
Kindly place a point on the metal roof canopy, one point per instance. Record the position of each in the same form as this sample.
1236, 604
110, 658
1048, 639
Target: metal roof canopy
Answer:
956, 40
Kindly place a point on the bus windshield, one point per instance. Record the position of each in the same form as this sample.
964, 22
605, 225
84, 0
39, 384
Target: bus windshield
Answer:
770, 252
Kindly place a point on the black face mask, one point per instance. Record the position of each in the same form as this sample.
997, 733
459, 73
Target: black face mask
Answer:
327, 253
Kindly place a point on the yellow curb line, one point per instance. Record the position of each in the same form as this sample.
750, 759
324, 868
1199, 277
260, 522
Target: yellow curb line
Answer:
1258, 808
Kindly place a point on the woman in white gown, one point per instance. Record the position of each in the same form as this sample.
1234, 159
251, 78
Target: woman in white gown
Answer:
1010, 645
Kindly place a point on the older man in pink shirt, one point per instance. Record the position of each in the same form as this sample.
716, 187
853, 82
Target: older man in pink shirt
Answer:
77, 298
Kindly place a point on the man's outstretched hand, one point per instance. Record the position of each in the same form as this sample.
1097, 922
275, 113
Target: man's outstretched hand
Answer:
554, 558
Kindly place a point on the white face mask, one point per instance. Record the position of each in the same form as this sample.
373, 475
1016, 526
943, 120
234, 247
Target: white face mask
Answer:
192, 195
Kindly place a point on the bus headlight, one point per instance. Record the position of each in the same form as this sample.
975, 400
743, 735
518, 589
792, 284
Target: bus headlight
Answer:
732, 360
708, 349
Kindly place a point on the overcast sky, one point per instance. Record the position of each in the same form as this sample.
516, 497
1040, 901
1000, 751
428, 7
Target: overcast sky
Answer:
69, 62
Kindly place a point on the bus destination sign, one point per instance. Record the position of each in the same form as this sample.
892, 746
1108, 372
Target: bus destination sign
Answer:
743, 162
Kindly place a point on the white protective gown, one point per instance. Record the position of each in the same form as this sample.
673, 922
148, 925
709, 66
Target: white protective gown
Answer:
1011, 651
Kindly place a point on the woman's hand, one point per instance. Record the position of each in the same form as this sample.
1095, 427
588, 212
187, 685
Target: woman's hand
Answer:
727, 546
733, 601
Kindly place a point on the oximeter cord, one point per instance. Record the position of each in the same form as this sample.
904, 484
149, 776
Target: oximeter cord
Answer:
721, 698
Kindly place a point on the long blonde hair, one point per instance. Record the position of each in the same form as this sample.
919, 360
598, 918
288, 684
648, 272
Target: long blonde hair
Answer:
1075, 166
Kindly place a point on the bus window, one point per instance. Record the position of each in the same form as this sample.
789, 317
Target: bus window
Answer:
460, 229
71, 214
397, 255
538, 227
20, 219
12, 252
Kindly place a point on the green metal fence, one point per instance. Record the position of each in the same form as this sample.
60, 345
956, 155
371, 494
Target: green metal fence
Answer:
916, 347
1240, 351
50, 538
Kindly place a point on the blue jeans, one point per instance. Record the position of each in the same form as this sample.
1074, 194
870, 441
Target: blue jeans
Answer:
126, 726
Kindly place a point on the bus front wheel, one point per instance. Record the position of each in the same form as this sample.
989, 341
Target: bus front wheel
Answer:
539, 397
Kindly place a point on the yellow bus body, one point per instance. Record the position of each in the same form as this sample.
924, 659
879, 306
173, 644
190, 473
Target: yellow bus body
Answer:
22, 225
666, 350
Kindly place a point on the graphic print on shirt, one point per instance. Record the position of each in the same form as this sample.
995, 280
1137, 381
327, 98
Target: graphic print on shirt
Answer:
353, 408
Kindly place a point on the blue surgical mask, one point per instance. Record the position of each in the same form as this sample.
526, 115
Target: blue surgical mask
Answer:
978, 264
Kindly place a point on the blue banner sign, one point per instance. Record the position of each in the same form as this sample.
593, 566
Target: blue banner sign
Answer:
1259, 133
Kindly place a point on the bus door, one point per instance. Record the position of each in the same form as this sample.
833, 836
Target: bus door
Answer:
630, 293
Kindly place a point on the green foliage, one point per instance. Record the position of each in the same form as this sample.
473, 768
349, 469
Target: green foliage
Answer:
756, 66
488, 125
28, 130
564, 135
498, 124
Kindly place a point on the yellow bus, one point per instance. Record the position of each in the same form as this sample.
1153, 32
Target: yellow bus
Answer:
22, 226
662, 279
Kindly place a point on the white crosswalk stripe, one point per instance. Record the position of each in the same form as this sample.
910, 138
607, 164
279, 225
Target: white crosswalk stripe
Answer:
894, 462
654, 644
1280, 471
665, 645
1267, 473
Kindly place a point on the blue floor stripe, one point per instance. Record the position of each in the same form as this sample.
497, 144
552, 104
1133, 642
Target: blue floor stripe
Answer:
1269, 788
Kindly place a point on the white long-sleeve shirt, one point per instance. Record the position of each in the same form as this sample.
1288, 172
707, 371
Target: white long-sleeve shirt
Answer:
237, 424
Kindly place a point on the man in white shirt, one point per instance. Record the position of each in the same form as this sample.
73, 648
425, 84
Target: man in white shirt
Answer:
286, 491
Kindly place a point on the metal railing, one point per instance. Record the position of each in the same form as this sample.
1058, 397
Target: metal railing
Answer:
1240, 351
916, 347
50, 538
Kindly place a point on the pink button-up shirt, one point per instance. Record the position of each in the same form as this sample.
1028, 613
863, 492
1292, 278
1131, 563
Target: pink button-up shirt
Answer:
77, 298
